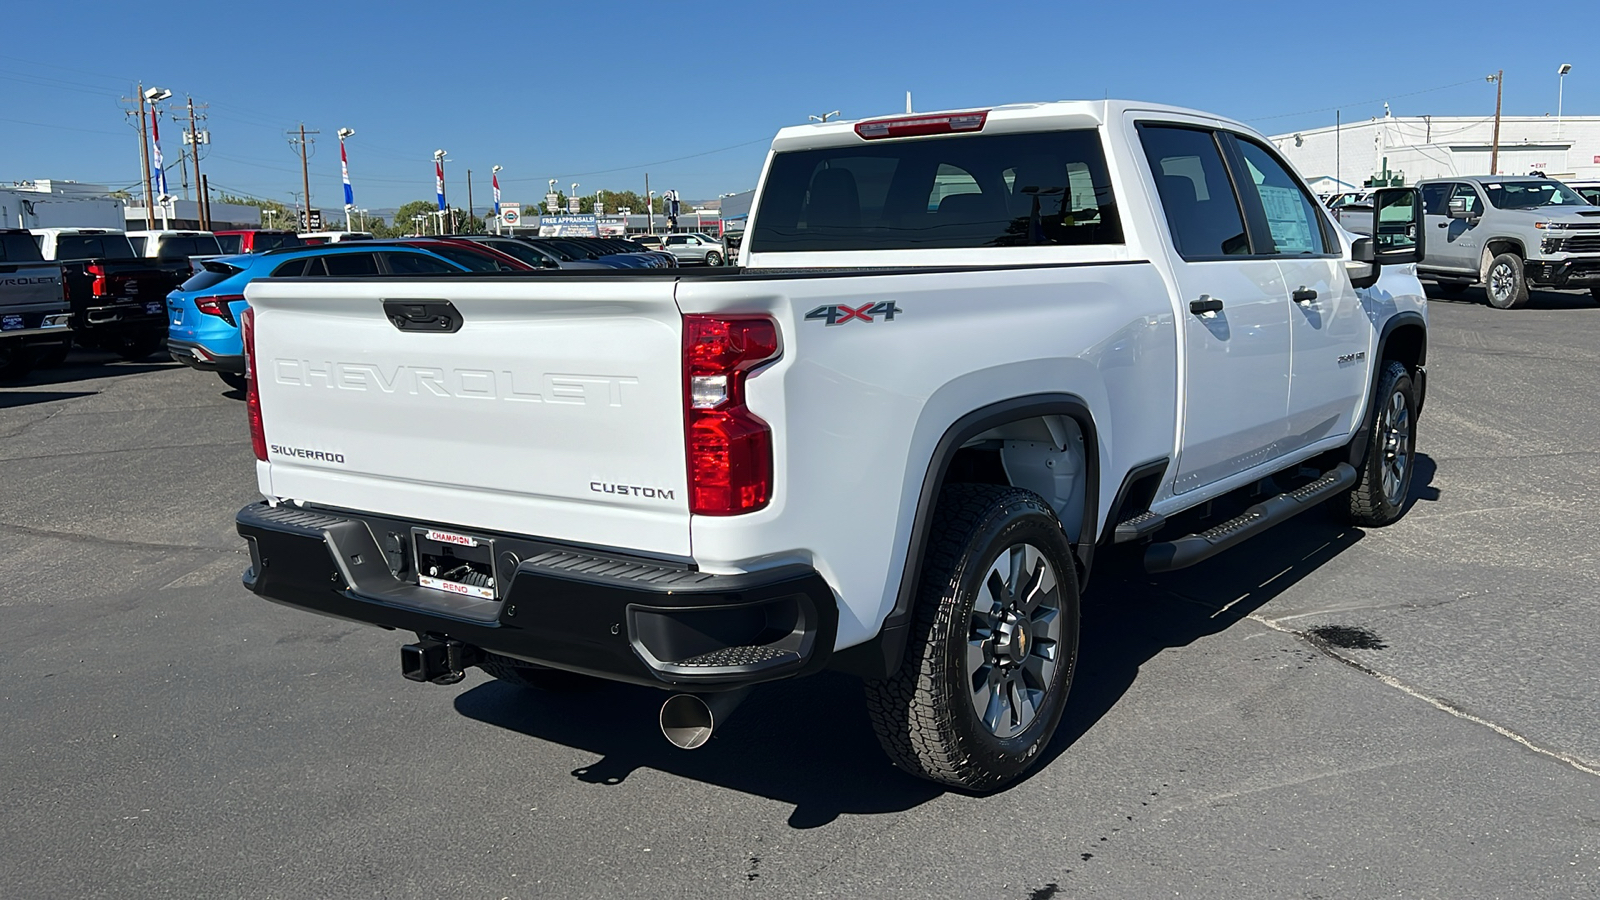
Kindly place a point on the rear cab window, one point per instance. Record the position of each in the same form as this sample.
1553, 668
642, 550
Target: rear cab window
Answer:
967, 191
19, 247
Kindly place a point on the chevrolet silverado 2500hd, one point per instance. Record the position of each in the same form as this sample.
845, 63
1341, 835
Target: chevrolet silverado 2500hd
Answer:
962, 354
35, 322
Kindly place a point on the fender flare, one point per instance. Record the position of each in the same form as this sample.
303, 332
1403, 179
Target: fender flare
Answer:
1408, 318
881, 655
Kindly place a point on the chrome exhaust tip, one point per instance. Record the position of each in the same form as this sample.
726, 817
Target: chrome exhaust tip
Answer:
688, 720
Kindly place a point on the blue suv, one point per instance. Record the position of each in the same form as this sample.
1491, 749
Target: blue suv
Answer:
203, 312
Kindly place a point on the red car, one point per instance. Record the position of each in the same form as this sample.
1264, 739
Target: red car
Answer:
257, 240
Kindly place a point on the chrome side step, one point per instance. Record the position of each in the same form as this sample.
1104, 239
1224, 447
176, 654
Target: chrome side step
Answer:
1192, 548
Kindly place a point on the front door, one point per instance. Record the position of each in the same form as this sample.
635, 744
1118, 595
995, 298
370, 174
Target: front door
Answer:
1235, 309
1329, 336
1463, 243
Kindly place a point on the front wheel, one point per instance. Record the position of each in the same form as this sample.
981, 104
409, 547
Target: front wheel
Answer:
1384, 483
1505, 282
993, 643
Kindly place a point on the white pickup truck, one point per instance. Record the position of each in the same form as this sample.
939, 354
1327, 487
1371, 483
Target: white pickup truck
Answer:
962, 354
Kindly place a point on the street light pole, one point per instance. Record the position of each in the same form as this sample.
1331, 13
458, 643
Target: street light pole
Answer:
1561, 83
1499, 79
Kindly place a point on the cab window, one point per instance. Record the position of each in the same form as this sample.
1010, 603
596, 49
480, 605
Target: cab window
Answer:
1292, 218
1195, 192
1466, 192
1436, 199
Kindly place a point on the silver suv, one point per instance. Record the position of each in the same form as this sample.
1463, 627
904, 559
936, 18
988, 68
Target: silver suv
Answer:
1509, 233
696, 248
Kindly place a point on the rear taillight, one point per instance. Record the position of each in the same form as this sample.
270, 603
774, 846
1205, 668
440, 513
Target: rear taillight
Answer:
252, 396
916, 126
98, 273
729, 448
218, 306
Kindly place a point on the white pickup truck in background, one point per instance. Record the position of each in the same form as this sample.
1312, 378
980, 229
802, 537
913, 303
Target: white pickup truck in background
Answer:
962, 354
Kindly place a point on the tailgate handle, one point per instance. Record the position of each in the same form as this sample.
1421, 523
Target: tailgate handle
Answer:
437, 316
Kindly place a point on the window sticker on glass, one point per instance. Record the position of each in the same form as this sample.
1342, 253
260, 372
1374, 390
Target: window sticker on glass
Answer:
1291, 231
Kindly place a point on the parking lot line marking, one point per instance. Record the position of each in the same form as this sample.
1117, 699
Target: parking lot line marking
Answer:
1581, 765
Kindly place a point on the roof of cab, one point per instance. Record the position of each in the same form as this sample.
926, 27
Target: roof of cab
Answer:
1007, 118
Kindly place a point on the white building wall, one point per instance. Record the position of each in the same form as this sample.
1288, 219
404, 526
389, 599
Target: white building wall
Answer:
1433, 146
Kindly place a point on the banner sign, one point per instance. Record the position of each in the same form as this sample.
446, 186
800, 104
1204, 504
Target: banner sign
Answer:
573, 225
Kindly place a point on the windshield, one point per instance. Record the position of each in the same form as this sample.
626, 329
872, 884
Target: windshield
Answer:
267, 241
93, 246
1531, 194
519, 250
557, 251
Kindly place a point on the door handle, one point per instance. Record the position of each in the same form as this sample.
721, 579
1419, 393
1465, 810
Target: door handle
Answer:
1304, 295
1442, 225
1204, 305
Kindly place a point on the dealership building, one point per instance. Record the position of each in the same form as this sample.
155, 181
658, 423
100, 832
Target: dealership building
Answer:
1350, 155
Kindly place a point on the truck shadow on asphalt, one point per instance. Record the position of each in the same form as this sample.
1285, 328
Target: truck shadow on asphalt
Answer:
89, 366
1537, 299
809, 742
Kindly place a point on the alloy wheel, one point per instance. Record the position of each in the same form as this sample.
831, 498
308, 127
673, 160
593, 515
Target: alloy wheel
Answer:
1013, 640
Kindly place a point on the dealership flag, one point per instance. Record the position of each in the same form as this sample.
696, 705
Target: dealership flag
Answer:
496, 180
344, 168
161, 170
438, 181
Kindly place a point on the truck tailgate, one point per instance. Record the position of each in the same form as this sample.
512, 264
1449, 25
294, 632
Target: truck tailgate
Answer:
547, 407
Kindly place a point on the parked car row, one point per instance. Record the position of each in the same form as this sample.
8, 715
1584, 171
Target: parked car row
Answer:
140, 292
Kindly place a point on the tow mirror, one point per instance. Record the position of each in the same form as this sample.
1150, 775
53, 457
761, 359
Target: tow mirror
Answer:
1458, 208
1395, 230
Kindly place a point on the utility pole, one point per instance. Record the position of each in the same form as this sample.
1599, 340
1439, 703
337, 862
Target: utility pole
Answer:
1499, 87
195, 140
305, 170
649, 206
144, 165
469, 195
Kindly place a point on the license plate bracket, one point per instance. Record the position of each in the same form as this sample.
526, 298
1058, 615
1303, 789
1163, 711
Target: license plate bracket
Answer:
455, 563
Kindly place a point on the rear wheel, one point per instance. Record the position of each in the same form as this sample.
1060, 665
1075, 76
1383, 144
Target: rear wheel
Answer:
536, 677
134, 346
16, 359
713, 258
993, 643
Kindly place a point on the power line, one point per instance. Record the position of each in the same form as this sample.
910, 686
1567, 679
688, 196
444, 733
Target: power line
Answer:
1307, 112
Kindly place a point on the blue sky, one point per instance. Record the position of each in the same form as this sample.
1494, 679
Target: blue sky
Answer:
601, 93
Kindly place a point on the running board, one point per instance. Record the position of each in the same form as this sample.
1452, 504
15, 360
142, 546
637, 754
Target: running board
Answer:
1192, 548
1139, 527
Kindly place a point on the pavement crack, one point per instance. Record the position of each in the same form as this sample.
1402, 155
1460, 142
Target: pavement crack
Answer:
77, 538
1582, 765
120, 450
30, 426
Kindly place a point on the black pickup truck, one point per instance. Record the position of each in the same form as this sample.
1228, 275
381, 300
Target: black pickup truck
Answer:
118, 298
34, 322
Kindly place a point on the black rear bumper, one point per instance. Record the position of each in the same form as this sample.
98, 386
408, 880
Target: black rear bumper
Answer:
610, 615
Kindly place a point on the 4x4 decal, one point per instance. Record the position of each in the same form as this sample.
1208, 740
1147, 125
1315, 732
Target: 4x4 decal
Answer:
838, 314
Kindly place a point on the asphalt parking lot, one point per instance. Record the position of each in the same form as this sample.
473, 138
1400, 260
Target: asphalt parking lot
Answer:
1324, 712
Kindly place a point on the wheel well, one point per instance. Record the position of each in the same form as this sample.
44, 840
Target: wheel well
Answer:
1504, 245
1042, 454
1408, 345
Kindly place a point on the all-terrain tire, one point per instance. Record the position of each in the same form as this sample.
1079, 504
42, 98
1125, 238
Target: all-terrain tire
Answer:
1504, 282
925, 714
1384, 483
536, 677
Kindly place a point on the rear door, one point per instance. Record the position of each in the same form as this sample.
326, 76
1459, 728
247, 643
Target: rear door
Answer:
538, 407
1235, 310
